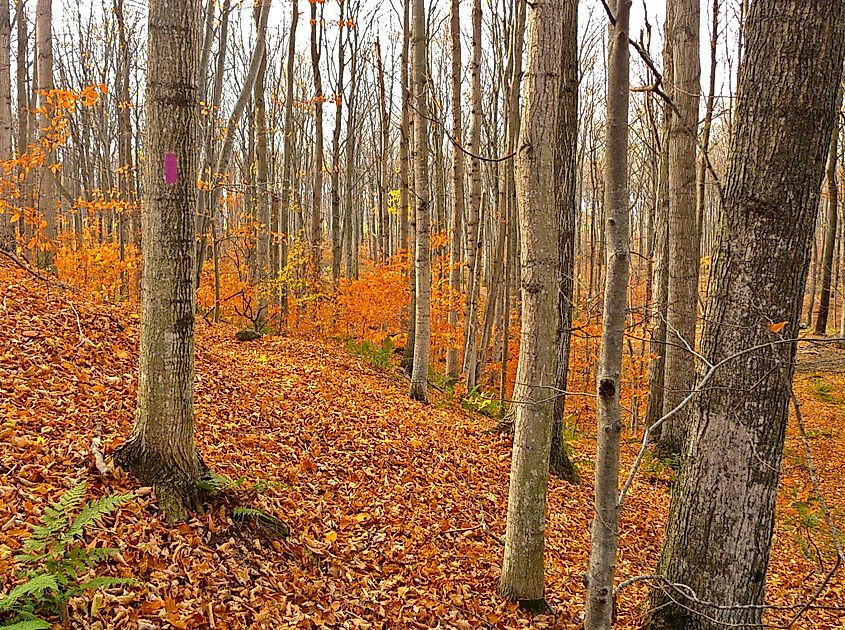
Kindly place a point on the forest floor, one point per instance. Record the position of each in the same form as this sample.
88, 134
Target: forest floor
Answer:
396, 509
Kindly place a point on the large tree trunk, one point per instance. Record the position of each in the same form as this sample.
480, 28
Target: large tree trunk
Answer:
422, 266
455, 257
560, 465
604, 532
679, 369
536, 185
287, 163
719, 534
262, 176
161, 451
829, 233
7, 234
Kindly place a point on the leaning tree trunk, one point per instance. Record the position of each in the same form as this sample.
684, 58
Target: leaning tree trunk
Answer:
536, 185
679, 367
719, 534
161, 451
604, 532
422, 249
560, 464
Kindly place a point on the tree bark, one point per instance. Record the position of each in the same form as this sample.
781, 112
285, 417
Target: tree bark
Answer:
829, 234
161, 451
44, 62
679, 368
422, 338
456, 226
316, 224
536, 174
560, 464
719, 534
7, 234
599, 606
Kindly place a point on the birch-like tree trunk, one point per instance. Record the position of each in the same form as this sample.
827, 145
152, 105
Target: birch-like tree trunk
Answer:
719, 534
682, 300
161, 451
287, 162
473, 230
604, 532
422, 249
316, 223
536, 185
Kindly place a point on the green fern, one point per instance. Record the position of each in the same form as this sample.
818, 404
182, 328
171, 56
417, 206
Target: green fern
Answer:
215, 484
53, 559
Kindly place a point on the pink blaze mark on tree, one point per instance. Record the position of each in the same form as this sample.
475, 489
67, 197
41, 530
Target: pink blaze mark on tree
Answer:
171, 170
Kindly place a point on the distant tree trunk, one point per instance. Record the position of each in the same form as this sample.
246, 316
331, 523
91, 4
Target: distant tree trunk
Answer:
161, 451
536, 174
473, 230
316, 231
44, 61
335, 176
384, 147
287, 162
701, 177
682, 304
719, 534
604, 532
455, 257
560, 464
7, 234
422, 340
830, 233
262, 176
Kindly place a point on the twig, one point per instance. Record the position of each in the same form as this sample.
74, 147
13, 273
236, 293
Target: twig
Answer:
99, 458
82, 337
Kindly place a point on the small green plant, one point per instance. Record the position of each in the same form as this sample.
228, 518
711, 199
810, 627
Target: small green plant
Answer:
214, 483
380, 355
482, 402
657, 465
55, 561
823, 391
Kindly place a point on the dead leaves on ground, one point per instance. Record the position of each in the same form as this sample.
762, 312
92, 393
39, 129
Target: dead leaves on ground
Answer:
371, 484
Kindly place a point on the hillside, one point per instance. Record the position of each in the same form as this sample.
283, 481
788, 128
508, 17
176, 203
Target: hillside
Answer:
395, 508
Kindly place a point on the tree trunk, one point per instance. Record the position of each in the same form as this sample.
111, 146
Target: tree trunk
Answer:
316, 230
536, 185
161, 451
599, 605
7, 234
560, 464
287, 162
44, 62
262, 184
719, 534
422, 340
473, 231
829, 234
335, 176
679, 369
455, 257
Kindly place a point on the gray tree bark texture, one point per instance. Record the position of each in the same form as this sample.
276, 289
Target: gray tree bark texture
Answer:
536, 186
7, 234
422, 249
44, 70
723, 504
604, 532
681, 308
455, 250
161, 451
560, 464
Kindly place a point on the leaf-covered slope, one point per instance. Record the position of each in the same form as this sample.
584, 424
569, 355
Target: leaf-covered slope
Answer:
395, 508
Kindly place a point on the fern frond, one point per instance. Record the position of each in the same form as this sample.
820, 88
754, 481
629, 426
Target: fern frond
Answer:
214, 483
242, 513
94, 510
35, 586
27, 624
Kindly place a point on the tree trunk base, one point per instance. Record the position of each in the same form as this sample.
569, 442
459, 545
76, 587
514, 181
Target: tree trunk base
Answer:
560, 464
176, 484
